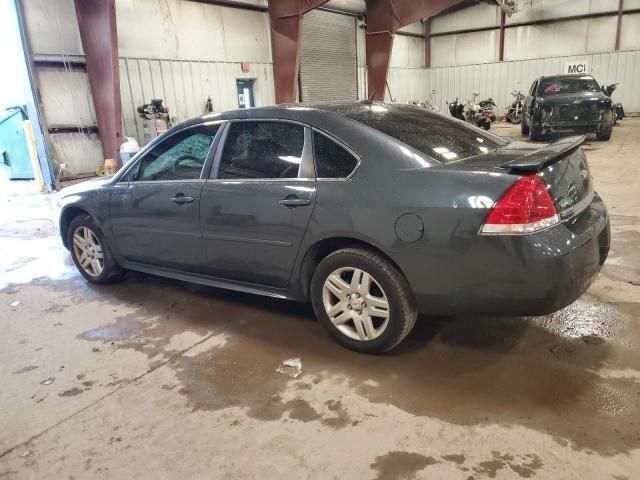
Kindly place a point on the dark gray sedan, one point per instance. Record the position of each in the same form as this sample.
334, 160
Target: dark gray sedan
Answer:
373, 212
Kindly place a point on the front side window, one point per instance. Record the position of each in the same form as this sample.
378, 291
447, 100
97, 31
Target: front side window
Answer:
332, 160
264, 150
180, 157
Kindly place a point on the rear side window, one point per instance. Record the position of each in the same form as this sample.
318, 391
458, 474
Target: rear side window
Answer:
264, 150
332, 160
442, 138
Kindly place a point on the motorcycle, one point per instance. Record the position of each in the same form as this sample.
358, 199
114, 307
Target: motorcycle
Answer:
514, 112
618, 111
456, 109
480, 114
427, 104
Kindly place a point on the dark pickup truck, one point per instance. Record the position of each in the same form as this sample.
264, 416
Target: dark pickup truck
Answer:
567, 104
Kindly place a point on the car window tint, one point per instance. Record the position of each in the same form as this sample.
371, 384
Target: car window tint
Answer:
179, 157
442, 138
262, 150
332, 160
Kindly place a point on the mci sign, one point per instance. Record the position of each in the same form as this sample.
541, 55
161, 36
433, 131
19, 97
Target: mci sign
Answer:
576, 67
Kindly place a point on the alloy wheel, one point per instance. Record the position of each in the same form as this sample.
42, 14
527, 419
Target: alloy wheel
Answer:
88, 251
355, 303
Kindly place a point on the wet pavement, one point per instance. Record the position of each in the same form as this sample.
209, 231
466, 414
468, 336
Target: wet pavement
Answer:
154, 378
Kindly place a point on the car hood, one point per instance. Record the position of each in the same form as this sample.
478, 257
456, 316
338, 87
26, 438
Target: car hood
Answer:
85, 186
577, 98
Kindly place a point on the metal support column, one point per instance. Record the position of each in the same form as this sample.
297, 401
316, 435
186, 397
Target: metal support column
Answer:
501, 47
97, 23
286, 27
384, 18
619, 23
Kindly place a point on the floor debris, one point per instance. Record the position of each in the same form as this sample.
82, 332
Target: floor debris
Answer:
291, 367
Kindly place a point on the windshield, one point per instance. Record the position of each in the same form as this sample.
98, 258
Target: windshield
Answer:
560, 85
442, 138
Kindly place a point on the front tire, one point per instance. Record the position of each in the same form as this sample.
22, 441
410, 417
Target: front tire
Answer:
604, 133
90, 251
362, 300
535, 132
524, 128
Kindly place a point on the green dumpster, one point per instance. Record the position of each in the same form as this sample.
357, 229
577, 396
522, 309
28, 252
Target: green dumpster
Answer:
13, 144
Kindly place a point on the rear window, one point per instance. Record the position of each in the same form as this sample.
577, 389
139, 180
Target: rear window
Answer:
444, 139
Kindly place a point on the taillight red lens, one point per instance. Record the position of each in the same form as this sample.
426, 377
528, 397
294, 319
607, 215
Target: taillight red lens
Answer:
525, 207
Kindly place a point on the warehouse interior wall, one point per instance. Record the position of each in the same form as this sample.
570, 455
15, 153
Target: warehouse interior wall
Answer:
188, 52
185, 52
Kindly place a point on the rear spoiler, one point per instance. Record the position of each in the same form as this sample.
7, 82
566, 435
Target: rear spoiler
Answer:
537, 160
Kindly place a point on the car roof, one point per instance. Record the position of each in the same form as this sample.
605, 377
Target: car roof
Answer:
568, 75
303, 112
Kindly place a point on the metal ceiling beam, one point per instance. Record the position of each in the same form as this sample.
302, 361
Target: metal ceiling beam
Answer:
384, 18
286, 28
97, 23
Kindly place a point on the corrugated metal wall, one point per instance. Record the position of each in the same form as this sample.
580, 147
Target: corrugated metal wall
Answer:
497, 80
63, 86
185, 85
561, 38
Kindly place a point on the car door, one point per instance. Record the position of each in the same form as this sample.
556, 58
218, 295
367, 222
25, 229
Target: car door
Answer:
528, 103
256, 206
155, 208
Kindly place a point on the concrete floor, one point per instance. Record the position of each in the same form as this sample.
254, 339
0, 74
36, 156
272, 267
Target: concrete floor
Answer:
154, 378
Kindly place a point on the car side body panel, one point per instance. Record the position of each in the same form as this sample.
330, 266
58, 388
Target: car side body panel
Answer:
423, 215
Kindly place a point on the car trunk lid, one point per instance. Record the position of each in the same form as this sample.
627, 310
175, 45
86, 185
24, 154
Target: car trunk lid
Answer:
561, 164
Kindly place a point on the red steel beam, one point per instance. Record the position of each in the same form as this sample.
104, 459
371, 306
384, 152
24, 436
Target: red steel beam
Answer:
501, 51
619, 23
427, 43
97, 23
384, 18
286, 28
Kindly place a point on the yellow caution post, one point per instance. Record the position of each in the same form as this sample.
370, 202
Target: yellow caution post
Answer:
33, 154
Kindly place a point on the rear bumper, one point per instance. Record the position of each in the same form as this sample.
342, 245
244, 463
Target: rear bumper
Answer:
515, 275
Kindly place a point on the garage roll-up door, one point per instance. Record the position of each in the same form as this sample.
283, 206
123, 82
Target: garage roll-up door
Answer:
328, 63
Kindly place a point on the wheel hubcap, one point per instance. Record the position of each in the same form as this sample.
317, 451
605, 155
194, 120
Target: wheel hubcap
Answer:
88, 251
355, 303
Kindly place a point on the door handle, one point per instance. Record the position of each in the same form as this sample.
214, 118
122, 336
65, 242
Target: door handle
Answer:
293, 201
181, 199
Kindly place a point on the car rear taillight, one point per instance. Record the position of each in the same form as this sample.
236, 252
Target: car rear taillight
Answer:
526, 207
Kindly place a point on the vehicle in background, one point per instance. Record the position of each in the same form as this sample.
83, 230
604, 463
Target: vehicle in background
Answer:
456, 109
566, 104
514, 111
480, 114
618, 111
428, 104
373, 212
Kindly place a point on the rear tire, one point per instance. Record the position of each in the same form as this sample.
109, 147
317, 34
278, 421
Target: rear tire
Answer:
362, 300
524, 128
90, 251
